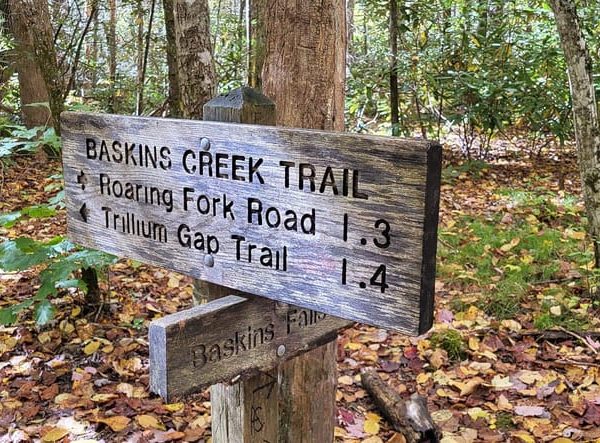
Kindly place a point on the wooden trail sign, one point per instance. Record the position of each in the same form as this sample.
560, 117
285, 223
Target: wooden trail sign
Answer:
338, 223
230, 337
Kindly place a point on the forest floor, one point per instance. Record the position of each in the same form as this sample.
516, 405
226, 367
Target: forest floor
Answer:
513, 264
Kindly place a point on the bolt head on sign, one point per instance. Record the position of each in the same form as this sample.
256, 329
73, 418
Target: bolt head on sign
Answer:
339, 223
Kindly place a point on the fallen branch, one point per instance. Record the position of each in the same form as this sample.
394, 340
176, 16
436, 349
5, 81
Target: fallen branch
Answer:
409, 416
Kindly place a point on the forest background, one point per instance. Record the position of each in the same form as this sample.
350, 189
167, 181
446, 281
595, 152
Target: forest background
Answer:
488, 78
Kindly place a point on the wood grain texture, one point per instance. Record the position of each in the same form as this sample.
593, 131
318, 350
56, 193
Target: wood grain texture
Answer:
400, 178
229, 338
294, 402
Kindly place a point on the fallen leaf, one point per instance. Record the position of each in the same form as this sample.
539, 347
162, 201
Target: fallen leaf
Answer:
54, 435
371, 427
149, 422
91, 347
117, 423
532, 411
174, 407
345, 380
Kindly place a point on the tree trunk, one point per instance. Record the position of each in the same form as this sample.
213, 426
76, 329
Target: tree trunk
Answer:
174, 94
394, 114
305, 62
304, 73
139, 81
195, 63
91, 50
31, 81
112, 54
37, 17
585, 112
350, 27
148, 39
256, 47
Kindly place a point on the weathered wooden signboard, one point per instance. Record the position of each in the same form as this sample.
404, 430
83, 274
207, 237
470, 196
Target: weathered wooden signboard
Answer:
341, 224
230, 337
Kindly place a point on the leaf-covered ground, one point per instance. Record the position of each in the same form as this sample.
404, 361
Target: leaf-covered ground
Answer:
513, 355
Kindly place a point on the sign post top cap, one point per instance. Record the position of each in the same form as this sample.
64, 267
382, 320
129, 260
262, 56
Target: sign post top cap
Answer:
239, 98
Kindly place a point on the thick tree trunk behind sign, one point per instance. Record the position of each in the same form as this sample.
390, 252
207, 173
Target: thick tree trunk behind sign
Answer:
305, 61
303, 52
195, 63
31, 82
585, 112
36, 16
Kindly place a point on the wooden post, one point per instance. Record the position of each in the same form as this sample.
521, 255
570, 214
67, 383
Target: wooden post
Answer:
294, 402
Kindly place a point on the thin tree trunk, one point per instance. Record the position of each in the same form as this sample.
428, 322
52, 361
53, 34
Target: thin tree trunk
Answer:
256, 51
139, 20
140, 98
350, 25
195, 63
585, 111
395, 120
32, 85
112, 53
91, 51
174, 93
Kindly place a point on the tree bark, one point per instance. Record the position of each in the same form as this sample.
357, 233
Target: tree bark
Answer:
305, 61
112, 53
585, 111
148, 39
195, 63
31, 81
174, 99
350, 26
37, 17
139, 82
394, 112
256, 47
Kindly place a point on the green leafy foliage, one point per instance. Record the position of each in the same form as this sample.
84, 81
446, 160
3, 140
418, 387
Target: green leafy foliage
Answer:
28, 141
61, 260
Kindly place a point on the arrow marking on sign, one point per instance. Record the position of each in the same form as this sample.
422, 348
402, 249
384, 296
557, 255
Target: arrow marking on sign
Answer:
82, 180
84, 212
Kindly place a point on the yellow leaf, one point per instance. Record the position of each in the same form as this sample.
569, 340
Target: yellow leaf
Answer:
149, 422
91, 347
562, 440
103, 398
423, 378
174, 407
473, 343
75, 311
508, 246
345, 380
372, 416
556, 311
54, 434
512, 325
371, 427
116, 423
476, 413
173, 282
524, 436
353, 346
576, 235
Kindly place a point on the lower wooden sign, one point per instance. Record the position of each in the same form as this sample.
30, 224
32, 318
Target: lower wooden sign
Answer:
229, 337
